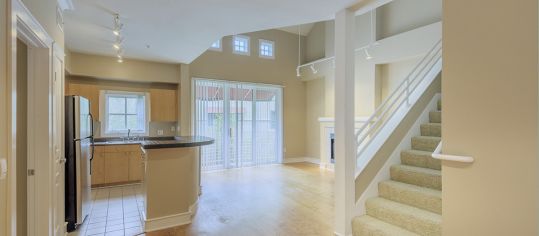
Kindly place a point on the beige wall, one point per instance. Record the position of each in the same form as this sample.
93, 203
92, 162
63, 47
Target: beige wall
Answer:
392, 74
130, 70
282, 71
45, 12
314, 95
490, 112
403, 15
315, 42
22, 143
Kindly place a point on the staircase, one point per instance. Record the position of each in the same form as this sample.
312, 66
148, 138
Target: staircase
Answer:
410, 203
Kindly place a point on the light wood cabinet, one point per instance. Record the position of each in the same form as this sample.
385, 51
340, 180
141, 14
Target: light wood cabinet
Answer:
98, 167
116, 167
116, 164
164, 105
135, 166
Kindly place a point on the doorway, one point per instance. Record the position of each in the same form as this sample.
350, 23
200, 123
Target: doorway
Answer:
245, 119
22, 137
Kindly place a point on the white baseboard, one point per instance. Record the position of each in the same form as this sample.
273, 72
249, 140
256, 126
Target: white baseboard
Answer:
301, 159
170, 221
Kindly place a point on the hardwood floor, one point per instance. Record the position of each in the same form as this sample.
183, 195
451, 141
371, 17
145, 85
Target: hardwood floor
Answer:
290, 199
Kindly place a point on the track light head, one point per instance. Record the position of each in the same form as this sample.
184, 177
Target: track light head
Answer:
298, 74
367, 55
314, 70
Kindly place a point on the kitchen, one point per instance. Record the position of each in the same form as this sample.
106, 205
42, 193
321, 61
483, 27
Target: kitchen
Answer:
134, 129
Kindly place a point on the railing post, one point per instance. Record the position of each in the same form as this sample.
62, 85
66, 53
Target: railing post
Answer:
345, 141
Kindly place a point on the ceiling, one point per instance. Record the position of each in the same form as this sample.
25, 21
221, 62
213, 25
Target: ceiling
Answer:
178, 31
304, 29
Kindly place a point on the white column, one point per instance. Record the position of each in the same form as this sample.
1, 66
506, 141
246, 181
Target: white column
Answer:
345, 144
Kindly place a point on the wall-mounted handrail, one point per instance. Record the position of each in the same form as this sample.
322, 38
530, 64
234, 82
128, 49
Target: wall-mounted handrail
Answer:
437, 154
397, 101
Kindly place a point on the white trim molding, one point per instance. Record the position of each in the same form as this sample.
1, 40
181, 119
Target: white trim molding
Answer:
312, 160
170, 221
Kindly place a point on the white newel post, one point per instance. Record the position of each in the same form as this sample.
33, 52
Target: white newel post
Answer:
345, 144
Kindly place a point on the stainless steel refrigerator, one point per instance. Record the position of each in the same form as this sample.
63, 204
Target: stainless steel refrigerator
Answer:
79, 154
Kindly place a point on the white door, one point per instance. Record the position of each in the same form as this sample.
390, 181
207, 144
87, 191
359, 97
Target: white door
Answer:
58, 144
244, 119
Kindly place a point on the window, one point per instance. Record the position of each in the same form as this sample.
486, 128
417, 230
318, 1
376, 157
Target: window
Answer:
241, 45
217, 45
267, 49
124, 111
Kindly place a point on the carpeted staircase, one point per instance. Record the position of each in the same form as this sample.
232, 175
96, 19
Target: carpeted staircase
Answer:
410, 203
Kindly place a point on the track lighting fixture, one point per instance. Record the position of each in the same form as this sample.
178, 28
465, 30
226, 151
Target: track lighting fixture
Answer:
298, 74
314, 70
117, 31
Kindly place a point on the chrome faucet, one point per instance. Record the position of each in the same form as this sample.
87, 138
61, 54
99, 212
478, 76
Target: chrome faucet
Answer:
128, 134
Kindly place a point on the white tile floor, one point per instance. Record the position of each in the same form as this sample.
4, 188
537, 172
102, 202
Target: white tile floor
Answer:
115, 211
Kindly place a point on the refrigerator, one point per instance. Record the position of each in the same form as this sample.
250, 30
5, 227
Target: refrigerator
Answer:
79, 154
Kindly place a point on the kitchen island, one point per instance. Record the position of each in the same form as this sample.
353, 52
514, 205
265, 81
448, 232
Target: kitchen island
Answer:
171, 185
170, 178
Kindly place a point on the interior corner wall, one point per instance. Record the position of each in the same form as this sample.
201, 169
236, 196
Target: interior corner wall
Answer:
490, 95
315, 42
404, 15
226, 65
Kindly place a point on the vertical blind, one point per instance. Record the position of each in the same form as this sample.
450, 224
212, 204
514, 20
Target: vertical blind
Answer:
244, 119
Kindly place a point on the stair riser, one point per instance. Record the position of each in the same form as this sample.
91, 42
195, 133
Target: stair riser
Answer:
406, 221
425, 201
416, 178
435, 117
424, 144
431, 130
424, 161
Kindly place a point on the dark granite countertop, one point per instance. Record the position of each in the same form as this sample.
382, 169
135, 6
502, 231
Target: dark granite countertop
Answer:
158, 142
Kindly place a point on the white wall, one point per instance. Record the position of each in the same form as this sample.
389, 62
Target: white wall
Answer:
392, 74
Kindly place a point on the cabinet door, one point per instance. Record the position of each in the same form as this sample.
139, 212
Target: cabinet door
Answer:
135, 166
163, 104
116, 167
98, 168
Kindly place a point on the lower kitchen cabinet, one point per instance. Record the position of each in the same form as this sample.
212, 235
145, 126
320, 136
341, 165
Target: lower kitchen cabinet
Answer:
116, 164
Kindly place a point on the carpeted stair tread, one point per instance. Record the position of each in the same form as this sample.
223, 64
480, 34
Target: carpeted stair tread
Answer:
422, 177
435, 117
425, 143
413, 195
370, 226
431, 129
420, 159
408, 217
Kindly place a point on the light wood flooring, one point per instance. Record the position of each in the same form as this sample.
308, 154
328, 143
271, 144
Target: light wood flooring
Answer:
290, 199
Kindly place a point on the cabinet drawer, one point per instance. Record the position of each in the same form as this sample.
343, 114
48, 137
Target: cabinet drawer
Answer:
122, 148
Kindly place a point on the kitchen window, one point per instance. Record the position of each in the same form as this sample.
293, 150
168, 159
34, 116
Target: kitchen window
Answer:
123, 111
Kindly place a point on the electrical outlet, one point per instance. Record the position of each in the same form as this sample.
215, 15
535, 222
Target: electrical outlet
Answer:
172, 128
160, 132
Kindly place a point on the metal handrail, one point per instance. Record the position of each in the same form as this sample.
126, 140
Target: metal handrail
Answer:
371, 128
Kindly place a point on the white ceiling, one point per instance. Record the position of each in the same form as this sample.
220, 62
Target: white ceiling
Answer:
178, 31
304, 30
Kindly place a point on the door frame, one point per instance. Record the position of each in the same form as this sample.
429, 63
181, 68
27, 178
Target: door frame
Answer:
41, 49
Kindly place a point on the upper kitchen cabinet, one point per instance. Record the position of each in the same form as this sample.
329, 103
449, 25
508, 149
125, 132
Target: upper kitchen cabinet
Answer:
89, 91
164, 105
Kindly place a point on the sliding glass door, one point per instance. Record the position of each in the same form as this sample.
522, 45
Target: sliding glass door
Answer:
244, 119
